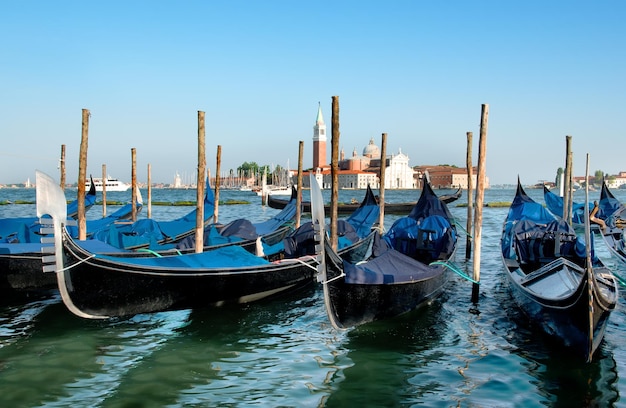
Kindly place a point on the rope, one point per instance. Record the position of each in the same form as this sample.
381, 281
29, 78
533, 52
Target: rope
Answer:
299, 260
463, 228
620, 280
150, 251
454, 268
77, 263
334, 279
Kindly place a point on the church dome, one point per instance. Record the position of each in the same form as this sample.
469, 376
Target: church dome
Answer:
371, 150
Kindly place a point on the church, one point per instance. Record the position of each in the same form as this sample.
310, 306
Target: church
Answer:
357, 171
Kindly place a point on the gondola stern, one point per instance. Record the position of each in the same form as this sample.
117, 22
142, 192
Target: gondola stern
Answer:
322, 246
319, 221
51, 202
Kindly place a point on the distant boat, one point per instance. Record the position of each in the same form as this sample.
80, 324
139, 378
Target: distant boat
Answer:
112, 184
348, 208
274, 190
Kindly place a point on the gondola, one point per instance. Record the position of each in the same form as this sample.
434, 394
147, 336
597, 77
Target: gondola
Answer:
257, 237
275, 238
146, 232
26, 229
554, 203
405, 268
555, 277
348, 208
98, 286
20, 259
20, 263
610, 215
356, 227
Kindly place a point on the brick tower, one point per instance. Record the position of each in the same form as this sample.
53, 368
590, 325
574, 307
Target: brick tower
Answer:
319, 140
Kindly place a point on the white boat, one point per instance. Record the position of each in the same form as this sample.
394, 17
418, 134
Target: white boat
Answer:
112, 184
274, 190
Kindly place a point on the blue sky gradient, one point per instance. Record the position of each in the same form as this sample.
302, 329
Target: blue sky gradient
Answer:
418, 71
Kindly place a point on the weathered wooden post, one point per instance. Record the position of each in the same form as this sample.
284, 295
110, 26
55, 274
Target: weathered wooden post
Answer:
218, 180
381, 177
104, 190
149, 215
334, 170
588, 267
62, 167
567, 192
299, 183
133, 183
480, 195
264, 187
200, 185
470, 200
82, 176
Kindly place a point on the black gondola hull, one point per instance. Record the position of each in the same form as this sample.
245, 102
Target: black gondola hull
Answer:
567, 319
403, 271
356, 304
556, 282
22, 273
100, 288
345, 208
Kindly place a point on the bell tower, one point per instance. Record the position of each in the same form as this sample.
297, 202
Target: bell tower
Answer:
319, 140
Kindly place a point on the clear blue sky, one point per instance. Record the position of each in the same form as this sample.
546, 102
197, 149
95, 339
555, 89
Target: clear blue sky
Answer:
416, 70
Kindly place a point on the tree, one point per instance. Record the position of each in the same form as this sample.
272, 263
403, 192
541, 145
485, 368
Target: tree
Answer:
559, 174
598, 176
248, 169
251, 169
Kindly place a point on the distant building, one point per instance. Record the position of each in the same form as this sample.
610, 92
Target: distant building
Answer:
612, 181
398, 173
447, 176
358, 171
178, 181
617, 181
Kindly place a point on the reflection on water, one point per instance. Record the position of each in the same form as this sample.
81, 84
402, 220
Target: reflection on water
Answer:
392, 355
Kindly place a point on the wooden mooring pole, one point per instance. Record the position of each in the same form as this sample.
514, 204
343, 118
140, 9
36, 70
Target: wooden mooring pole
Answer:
381, 188
299, 183
82, 176
480, 195
264, 187
334, 170
133, 183
218, 166
62, 167
470, 200
200, 185
149, 215
104, 190
567, 191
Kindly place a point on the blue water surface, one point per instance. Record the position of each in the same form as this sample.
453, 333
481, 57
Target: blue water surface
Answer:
284, 352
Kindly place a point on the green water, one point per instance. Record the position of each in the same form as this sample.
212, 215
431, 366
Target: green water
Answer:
285, 353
